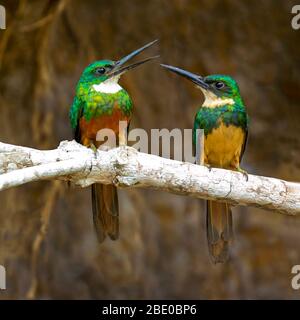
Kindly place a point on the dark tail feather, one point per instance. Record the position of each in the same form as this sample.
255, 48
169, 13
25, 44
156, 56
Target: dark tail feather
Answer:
219, 230
105, 211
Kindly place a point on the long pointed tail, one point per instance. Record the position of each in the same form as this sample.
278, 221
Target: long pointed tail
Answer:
219, 230
105, 211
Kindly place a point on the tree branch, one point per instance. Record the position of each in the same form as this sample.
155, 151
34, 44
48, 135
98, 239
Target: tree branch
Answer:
126, 167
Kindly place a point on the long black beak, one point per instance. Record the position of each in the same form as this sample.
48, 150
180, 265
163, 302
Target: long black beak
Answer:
198, 80
118, 69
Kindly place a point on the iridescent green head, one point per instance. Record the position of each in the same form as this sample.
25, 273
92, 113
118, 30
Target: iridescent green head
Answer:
103, 70
218, 89
97, 71
222, 86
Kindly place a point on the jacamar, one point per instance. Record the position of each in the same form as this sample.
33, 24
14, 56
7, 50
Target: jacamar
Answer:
101, 103
224, 120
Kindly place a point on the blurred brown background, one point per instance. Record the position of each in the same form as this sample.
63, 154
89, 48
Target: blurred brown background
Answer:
47, 243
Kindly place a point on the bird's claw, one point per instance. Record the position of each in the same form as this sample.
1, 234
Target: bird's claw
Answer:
209, 167
244, 172
94, 148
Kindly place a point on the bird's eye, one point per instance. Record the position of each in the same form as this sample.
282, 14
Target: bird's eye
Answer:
219, 85
100, 71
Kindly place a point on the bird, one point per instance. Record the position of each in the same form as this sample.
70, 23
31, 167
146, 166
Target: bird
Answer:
101, 103
224, 121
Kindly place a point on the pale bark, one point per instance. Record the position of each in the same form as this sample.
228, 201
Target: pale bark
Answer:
126, 167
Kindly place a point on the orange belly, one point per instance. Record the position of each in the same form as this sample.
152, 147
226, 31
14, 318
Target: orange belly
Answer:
89, 129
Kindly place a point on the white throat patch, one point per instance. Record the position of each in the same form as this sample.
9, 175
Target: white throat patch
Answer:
212, 101
108, 86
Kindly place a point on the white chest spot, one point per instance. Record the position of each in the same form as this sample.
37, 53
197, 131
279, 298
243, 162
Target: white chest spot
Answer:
108, 86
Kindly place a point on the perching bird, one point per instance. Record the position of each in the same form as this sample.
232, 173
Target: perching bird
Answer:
100, 103
224, 120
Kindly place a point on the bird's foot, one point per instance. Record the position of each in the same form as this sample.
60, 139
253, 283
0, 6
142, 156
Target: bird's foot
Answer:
244, 172
122, 146
208, 166
94, 148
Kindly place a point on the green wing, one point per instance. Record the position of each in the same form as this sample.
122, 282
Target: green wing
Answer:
75, 114
244, 145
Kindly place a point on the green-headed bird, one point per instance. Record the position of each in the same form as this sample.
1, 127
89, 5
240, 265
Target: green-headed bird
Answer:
101, 103
224, 120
